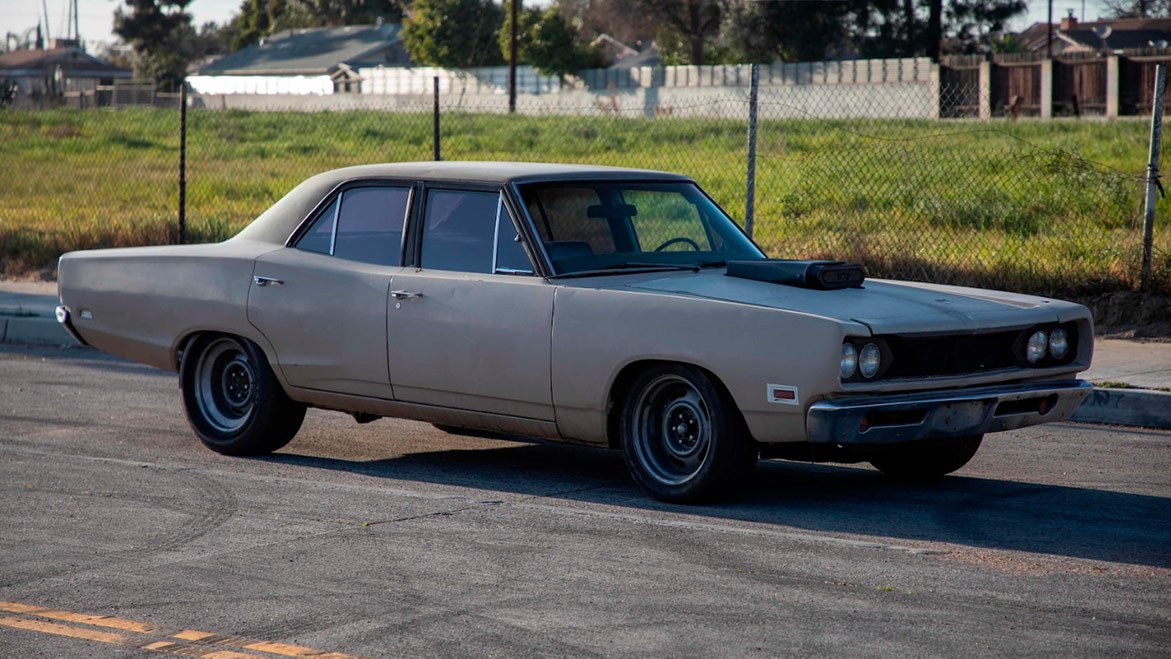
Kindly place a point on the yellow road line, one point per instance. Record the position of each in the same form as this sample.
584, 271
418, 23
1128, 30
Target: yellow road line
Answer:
156, 645
63, 630
192, 635
294, 650
69, 616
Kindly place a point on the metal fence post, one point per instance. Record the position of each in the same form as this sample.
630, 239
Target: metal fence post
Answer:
1152, 175
750, 175
183, 162
435, 118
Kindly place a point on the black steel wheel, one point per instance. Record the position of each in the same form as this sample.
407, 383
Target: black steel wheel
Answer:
925, 461
233, 401
683, 440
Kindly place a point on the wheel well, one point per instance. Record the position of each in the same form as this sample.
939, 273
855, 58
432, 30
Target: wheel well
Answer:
621, 388
186, 341
181, 348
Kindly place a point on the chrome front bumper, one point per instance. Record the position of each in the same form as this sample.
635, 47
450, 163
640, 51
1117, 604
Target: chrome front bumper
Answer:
66, 320
941, 414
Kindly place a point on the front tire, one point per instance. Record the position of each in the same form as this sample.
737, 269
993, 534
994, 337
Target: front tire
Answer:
683, 440
929, 461
233, 401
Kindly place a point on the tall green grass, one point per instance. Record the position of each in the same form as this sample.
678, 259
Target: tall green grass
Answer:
1036, 206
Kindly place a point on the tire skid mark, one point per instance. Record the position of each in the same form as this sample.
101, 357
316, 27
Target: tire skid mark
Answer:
146, 636
212, 506
528, 503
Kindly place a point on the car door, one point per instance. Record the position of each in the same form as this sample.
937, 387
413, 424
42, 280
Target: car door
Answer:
469, 328
321, 302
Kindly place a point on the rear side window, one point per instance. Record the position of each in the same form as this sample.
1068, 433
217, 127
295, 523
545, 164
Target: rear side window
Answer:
362, 224
459, 230
319, 237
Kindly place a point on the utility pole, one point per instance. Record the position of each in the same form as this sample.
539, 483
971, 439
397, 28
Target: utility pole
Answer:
48, 30
512, 56
1152, 176
1049, 25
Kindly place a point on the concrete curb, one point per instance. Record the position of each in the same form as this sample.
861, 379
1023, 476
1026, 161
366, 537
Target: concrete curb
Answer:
34, 330
1142, 408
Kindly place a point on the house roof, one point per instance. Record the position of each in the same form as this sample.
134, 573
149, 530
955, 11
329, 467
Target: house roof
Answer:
1125, 33
1034, 37
308, 51
1118, 39
73, 62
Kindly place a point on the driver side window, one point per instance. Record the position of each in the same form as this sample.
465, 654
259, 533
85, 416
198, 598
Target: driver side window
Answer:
667, 218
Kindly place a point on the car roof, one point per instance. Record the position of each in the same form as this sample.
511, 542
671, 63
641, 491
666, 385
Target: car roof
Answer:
277, 223
493, 172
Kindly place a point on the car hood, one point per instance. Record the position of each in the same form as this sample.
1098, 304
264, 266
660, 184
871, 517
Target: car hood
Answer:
886, 307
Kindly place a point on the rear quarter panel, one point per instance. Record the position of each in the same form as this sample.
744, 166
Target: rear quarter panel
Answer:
143, 301
599, 332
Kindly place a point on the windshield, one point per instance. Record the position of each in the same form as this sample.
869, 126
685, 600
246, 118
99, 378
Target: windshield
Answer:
605, 226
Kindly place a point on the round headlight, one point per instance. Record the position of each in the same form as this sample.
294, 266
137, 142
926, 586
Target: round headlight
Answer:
1036, 347
869, 360
1059, 343
849, 360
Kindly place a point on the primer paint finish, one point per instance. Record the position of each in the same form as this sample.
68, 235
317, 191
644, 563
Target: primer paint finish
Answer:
512, 353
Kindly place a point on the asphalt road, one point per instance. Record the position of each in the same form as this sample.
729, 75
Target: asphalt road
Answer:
122, 536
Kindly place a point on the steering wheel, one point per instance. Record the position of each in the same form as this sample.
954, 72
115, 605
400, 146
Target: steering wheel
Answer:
681, 239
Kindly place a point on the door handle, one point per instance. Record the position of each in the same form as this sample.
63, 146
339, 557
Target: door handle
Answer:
402, 295
265, 281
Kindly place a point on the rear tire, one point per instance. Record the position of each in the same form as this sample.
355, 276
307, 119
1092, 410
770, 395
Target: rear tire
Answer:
927, 461
683, 440
233, 401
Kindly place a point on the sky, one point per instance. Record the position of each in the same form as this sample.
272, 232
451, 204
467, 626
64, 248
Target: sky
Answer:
96, 17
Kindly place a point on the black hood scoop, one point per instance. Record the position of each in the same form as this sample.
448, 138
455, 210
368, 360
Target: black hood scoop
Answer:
820, 275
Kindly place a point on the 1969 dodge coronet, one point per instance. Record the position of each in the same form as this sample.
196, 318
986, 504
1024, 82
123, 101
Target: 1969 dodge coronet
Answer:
604, 306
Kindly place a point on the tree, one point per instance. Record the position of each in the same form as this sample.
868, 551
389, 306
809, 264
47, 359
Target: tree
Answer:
611, 17
971, 23
155, 29
1138, 8
253, 22
793, 31
453, 33
694, 23
546, 41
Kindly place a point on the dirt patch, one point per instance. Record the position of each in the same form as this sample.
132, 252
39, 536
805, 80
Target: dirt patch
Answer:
62, 131
1127, 315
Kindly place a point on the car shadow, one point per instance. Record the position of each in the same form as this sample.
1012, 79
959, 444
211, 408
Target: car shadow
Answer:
979, 512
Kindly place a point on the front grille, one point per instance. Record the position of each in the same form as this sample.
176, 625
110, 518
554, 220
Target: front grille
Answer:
917, 357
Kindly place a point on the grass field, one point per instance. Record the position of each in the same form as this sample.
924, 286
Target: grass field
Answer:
1033, 206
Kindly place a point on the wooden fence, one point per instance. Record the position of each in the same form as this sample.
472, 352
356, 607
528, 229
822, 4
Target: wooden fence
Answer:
1031, 85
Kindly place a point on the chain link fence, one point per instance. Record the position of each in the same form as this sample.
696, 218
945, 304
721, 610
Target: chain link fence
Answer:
1044, 207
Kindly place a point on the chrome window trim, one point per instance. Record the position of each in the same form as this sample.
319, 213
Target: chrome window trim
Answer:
402, 238
337, 210
496, 233
501, 213
537, 242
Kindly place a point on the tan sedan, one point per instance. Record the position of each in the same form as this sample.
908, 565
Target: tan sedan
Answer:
595, 305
